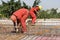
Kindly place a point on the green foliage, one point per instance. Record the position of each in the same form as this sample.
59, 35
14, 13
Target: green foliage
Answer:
26, 6
7, 9
43, 14
36, 2
52, 13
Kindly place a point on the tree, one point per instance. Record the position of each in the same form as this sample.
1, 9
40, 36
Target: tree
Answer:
26, 6
53, 13
36, 2
8, 8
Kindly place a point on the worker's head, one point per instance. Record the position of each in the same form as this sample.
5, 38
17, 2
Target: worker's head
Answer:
39, 7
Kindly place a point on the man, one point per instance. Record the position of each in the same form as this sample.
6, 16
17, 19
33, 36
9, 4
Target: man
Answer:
18, 17
33, 12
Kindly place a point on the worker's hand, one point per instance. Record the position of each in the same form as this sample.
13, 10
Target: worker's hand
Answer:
29, 21
32, 24
37, 13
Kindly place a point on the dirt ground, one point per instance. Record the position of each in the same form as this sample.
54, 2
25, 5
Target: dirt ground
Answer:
6, 34
37, 31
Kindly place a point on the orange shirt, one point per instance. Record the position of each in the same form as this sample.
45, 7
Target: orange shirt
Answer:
33, 13
19, 13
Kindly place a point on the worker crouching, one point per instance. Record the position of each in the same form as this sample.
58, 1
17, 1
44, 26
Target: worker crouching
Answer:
19, 17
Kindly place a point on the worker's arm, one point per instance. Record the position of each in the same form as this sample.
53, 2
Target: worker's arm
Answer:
37, 13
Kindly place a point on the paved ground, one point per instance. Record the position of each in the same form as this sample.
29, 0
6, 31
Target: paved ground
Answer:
34, 33
37, 32
27, 37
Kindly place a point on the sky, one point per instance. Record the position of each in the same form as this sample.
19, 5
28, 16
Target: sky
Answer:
47, 4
